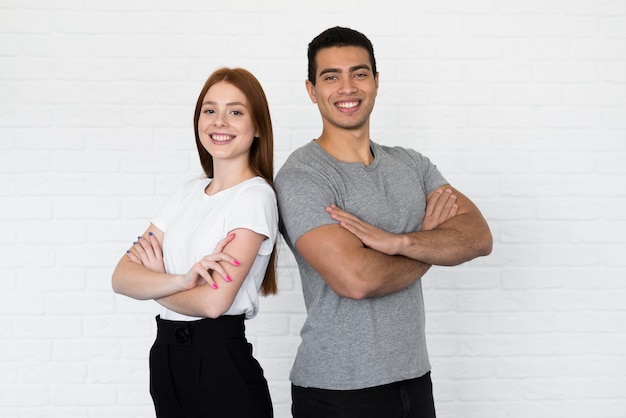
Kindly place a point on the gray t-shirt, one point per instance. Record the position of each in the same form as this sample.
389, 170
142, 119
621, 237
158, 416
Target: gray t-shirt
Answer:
353, 344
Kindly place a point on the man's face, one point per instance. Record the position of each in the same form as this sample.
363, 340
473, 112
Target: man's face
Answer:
345, 88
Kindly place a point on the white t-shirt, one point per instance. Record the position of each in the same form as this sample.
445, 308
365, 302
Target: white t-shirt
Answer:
194, 222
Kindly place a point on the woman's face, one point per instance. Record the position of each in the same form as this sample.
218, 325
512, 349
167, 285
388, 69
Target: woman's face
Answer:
225, 124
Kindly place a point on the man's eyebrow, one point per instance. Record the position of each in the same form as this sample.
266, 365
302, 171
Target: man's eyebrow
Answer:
352, 69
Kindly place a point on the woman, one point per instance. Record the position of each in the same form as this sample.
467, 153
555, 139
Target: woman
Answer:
217, 236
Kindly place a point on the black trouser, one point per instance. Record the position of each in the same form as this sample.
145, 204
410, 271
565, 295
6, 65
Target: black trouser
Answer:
406, 399
205, 368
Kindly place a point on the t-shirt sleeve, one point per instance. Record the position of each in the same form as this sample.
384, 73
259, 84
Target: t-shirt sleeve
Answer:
256, 209
164, 216
302, 198
433, 178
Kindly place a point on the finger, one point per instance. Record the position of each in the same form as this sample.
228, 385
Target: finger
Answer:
133, 257
453, 211
443, 200
219, 257
447, 208
214, 266
205, 273
156, 246
215, 276
140, 252
431, 202
224, 242
332, 208
341, 215
146, 245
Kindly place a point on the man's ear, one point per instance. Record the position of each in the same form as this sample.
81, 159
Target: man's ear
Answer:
310, 88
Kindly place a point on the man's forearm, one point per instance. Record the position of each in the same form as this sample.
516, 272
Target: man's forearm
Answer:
376, 274
458, 240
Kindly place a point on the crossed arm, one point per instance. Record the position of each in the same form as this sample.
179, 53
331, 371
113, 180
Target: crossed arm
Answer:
140, 274
345, 254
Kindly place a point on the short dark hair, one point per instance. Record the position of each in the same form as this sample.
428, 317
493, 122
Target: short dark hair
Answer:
338, 36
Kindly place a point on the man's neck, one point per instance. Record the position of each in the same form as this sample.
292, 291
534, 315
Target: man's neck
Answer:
347, 146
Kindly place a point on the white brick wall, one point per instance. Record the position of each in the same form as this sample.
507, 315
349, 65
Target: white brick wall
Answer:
522, 104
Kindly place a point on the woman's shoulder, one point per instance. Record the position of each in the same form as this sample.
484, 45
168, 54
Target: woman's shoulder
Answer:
257, 186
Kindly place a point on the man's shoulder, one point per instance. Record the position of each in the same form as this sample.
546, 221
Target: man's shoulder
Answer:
301, 158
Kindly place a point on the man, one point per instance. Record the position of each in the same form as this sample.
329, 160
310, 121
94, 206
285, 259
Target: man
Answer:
365, 223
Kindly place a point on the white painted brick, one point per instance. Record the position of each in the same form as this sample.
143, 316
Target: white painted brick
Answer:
86, 350
565, 72
422, 24
523, 95
556, 389
82, 395
457, 6
475, 48
614, 72
592, 8
454, 94
500, 117
498, 71
537, 50
526, 323
586, 49
442, 323
24, 395
23, 351
129, 395
60, 372
14, 208
557, 345
572, 27
491, 390
8, 374
22, 303
526, 367
465, 368
498, 26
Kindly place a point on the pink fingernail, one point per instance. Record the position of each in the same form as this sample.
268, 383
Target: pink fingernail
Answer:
213, 285
235, 262
228, 279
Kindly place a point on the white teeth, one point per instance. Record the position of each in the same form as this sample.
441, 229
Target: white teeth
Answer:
221, 138
346, 105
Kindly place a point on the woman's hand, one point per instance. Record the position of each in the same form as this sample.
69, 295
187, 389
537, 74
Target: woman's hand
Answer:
147, 251
203, 271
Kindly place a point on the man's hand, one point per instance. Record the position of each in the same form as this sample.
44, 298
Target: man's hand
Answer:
370, 235
440, 206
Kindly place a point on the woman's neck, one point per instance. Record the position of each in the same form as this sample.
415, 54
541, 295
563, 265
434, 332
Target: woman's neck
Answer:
225, 176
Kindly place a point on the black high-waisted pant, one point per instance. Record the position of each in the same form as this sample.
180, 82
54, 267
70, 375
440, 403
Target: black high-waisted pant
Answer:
204, 369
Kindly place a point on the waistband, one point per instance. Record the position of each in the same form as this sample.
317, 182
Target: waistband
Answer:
200, 331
